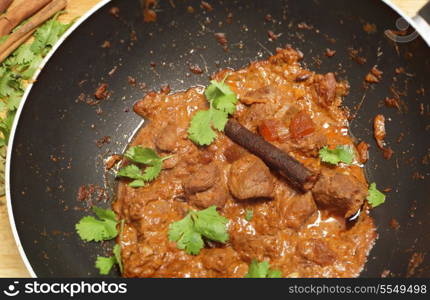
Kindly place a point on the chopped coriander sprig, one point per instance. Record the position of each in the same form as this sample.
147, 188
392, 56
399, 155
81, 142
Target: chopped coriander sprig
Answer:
341, 153
105, 264
262, 270
222, 103
188, 233
249, 214
98, 229
144, 156
375, 197
102, 228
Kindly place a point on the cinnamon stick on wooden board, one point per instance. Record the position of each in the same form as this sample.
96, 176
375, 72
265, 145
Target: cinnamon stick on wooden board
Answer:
14, 16
4, 4
295, 172
18, 37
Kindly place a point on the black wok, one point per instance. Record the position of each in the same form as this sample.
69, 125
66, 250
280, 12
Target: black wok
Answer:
53, 149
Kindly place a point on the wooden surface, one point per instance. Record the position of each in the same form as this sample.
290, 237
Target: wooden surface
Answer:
11, 264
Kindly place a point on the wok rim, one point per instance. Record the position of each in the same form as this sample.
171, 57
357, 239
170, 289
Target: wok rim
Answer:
421, 31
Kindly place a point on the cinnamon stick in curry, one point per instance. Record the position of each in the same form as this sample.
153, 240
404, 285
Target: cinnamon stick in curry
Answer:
4, 4
295, 172
19, 13
13, 41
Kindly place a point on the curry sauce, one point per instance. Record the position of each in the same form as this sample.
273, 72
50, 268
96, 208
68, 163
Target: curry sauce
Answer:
302, 236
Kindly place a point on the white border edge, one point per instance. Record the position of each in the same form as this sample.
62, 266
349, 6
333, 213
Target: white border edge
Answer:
72, 28
82, 19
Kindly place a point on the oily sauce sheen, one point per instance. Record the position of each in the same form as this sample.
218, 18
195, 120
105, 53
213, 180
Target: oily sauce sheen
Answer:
294, 109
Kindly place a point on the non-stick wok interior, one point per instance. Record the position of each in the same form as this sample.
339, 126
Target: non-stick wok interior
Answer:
55, 151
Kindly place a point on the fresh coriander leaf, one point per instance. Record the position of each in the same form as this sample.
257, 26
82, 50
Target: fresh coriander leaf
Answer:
249, 213
137, 183
117, 254
257, 270
92, 229
212, 91
375, 197
47, 35
142, 155
145, 156
219, 119
274, 274
184, 234
226, 103
105, 264
262, 270
14, 100
23, 55
104, 214
188, 232
222, 103
200, 130
32, 68
131, 171
211, 224
343, 154
221, 88
152, 172
6, 82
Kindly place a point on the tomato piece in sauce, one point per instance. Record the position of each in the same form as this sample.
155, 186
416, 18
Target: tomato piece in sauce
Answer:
268, 129
301, 125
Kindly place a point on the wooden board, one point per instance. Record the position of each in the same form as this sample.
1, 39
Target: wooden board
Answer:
11, 264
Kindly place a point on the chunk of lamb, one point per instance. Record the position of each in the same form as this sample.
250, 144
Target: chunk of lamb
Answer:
339, 193
260, 95
308, 145
317, 251
258, 247
298, 211
250, 178
204, 189
166, 139
325, 86
216, 195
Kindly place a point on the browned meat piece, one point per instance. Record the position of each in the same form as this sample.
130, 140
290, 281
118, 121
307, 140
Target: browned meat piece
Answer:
317, 251
258, 247
342, 194
234, 152
308, 145
166, 139
216, 195
298, 211
205, 177
363, 151
257, 113
250, 178
218, 260
325, 86
170, 163
147, 104
260, 95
